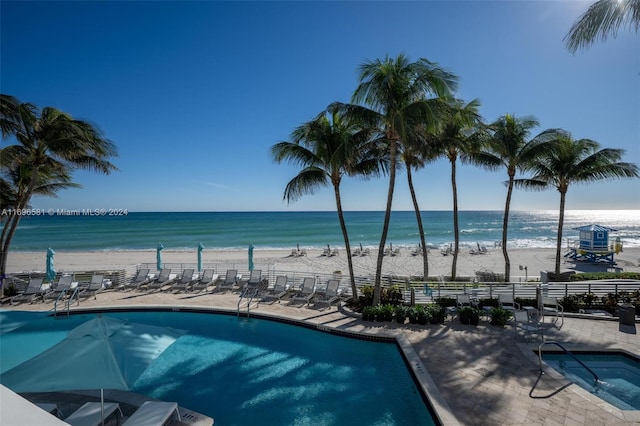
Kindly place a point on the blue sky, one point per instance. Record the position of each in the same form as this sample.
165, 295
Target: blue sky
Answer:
194, 94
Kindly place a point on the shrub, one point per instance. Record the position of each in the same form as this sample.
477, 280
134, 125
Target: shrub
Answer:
469, 315
368, 313
446, 301
488, 302
437, 313
500, 316
384, 312
422, 314
400, 313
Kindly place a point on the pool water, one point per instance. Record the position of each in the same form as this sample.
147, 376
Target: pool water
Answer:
619, 376
247, 372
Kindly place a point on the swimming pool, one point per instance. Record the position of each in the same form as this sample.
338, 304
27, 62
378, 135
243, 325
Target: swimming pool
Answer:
618, 374
247, 372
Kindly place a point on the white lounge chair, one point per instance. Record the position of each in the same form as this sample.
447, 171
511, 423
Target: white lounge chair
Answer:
154, 413
91, 414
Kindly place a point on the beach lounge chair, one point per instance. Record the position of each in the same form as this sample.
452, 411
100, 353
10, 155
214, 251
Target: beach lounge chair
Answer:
184, 282
306, 292
162, 280
356, 252
334, 252
154, 413
365, 252
330, 294
255, 278
207, 278
60, 289
141, 278
279, 290
92, 288
326, 252
90, 414
33, 290
230, 280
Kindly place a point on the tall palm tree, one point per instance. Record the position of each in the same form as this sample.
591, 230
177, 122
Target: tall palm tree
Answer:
399, 93
602, 19
508, 147
50, 145
327, 148
574, 161
459, 138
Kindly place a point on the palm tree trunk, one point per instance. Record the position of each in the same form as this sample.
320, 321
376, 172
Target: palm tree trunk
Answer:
385, 226
345, 235
505, 225
425, 261
456, 227
560, 225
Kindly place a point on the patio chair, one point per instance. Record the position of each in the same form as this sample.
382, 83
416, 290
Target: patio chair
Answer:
505, 301
329, 296
230, 280
207, 278
551, 307
523, 322
141, 278
306, 292
164, 279
33, 290
91, 414
153, 413
60, 289
279, 290
184, 282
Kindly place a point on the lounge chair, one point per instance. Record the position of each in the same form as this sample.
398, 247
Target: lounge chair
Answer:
551, 307
302, 252
255, 278
230, 280
306, 292
330, 294
207, 278
60, 289
279, 290
92, 288
184, 282
141, 278
356, 252
326, 252
33, 290
154, 413
365, 252
91, 414
162, 280
395, 251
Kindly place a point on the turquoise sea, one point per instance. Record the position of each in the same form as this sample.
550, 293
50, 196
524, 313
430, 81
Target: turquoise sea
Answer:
283, 230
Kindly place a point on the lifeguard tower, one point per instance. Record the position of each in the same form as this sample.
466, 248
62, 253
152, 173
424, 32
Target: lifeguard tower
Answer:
593, 245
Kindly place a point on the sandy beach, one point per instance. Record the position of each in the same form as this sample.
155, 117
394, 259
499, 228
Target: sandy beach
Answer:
535, 260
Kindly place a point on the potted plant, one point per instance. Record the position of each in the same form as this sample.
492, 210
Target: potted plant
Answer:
412, 314
469, 315
437, 313
368, 313
400, 313
385, 312
500, 316
423, 315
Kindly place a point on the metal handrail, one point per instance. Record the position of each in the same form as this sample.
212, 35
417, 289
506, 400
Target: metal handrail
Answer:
595, 376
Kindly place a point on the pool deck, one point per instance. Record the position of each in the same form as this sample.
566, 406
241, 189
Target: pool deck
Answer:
475, 375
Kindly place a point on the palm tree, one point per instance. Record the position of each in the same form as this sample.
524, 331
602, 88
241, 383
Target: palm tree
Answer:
508, 146
50, 145
396, 91
603, 18
574, 161
459, 137
328, 147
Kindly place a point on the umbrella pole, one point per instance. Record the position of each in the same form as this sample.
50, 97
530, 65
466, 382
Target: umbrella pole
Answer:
102, 405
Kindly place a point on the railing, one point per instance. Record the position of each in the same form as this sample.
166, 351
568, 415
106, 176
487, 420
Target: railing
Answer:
541, 371
248, 294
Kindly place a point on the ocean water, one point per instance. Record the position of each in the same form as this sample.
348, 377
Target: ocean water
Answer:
284, 230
